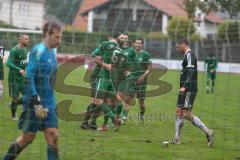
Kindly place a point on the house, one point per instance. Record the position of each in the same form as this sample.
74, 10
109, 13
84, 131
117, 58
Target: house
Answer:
22, 13
138, 15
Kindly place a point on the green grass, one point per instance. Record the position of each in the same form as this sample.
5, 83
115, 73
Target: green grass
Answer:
219, 111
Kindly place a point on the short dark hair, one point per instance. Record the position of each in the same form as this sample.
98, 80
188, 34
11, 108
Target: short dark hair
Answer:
183, 40
125, 33
49, 28
23, 34
139, 39
211, 55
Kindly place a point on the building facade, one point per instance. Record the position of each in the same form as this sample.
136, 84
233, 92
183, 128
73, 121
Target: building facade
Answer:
22, 13
138, 15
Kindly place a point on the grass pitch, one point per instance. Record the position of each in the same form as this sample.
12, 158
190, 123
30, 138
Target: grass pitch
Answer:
219, 111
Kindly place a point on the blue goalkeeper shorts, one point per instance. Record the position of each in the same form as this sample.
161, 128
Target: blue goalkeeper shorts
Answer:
28, 122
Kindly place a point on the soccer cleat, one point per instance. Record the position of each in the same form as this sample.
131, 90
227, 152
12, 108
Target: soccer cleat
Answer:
210, 138
110, 125
173, 141
117, 123
141, 118
84, 125
103, 128
92, 126
207, 89
124, 120
15, 118
212, 90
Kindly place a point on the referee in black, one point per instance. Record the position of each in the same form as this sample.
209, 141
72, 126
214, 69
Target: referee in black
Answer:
187, 94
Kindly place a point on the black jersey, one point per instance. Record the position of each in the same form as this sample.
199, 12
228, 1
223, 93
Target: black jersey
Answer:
188, 78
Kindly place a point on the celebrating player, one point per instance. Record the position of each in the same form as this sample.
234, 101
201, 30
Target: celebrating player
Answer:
211, 65
93, 111
93, 81
39, 100
143, 68
124, 83
17, 62
187, 94
105, 91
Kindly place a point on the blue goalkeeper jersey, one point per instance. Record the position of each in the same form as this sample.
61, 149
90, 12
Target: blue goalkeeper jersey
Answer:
41, 75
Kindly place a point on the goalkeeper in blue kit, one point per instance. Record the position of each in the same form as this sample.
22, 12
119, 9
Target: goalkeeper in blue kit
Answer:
39, 101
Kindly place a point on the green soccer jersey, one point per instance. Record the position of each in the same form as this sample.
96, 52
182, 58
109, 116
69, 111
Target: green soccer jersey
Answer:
1, 65
108, 49
123, 61
97, 52
142, 60
211, 63
16, 61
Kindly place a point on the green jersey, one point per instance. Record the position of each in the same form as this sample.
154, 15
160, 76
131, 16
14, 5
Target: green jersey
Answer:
16, 61
123, 61
108, 49
97, 52
1, 63
211, 63
142, 60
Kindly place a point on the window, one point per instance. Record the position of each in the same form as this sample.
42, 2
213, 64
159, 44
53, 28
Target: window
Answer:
149, 15
24, 8
199, 15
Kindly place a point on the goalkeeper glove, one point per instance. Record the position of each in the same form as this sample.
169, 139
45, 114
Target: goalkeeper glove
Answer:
40, 111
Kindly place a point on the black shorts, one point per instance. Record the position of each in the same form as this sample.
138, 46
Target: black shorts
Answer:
186, 99
1, 73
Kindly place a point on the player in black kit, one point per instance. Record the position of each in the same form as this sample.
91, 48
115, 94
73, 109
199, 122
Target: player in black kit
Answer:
187, 94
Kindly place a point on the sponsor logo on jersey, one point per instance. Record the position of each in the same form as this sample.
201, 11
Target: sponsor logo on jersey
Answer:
114, 58
125, 53
24, 61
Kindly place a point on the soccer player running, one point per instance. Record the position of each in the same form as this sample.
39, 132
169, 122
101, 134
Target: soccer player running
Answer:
211, 65
143, 68
17, 62
187, 93
1, 71
39, 100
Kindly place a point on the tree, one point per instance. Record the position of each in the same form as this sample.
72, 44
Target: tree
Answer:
206, 6
180, 27
64, 10
229, 31
232, 7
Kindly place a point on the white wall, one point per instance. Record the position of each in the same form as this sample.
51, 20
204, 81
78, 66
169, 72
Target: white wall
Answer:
4, 10
25, 14
90, 21
164, 23
206, 28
